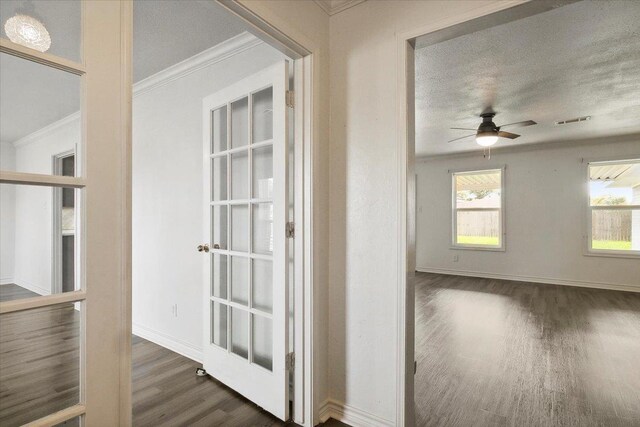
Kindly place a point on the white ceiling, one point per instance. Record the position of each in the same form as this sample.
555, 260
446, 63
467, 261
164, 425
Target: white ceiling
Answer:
165, 32
577, 60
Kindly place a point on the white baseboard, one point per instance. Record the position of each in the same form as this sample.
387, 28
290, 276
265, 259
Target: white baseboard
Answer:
31, 287
174, 344
6, 281
534, 279
349, 415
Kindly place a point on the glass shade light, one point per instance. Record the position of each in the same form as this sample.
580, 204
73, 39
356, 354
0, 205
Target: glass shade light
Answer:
27, 31
487, 140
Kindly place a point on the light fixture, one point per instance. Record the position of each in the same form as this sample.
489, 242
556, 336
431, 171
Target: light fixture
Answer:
28, 31
486, 139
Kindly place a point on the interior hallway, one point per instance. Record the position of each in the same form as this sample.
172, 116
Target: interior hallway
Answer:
496, 352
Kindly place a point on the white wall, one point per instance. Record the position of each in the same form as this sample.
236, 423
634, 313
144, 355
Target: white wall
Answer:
33, 205
168, 198
7, 216
545, 190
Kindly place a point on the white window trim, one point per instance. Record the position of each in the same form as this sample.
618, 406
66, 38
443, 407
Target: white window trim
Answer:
458, 246
588, 250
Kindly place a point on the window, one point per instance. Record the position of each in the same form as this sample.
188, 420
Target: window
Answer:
478, 197
614, 207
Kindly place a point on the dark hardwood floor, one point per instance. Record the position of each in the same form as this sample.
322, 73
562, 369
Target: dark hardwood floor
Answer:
501, 353
39, 367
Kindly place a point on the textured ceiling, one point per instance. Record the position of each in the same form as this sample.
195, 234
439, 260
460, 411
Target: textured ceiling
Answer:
576, 60
165, 32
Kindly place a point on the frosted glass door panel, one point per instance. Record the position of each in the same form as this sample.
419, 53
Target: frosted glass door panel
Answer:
239, 123
240, 175
219, 324
219, 130
219, 273
262, 228
262, 164
262, 115
240, 228
219, 178
240, 280
262, 342
219, 225
240, 332
262, 285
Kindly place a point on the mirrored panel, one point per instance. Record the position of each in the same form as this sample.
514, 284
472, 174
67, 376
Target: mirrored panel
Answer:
262, 285
219, 178
39, 116
262, 341
219, 130
219, 272
240, 280
239, 123
47, 26
239, 332
38, 244
262, 228
219, 324
262, 165
39, 362
262, 117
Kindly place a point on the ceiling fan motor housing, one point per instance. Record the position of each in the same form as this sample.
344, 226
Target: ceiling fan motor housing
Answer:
487, 127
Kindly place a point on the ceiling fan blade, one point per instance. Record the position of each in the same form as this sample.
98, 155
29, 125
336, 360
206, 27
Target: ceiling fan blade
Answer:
462, 137
463, 129
520, 124
509, 135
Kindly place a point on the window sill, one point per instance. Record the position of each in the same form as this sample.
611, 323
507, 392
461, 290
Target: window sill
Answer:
611, 254
477, 248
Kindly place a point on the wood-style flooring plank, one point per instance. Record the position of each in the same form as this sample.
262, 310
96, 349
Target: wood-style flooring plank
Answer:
494, 352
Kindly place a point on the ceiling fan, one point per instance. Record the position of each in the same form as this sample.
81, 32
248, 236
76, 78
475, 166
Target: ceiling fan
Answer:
488, 133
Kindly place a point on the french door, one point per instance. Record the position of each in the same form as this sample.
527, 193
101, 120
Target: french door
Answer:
65, 351
245, 290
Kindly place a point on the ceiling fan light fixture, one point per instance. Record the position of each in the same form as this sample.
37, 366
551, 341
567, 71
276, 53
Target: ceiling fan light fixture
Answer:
486, 139
28, 31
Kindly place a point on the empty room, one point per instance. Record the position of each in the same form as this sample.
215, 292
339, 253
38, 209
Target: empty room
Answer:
528, 219
319, 212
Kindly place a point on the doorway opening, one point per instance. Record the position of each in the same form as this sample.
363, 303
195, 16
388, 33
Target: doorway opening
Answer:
63, 226
488, 146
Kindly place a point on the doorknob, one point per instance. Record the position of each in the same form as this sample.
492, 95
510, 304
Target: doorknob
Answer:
203, 248
216, 246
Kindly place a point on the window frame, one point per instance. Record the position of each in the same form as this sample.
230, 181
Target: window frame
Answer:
454, 210
588, 216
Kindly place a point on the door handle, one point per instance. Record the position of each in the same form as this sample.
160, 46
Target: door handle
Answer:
203, 248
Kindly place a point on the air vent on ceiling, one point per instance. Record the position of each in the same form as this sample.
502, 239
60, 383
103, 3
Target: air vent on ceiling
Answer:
576, 120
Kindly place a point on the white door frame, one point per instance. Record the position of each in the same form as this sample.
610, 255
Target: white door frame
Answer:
56, 226
406, 209
306, 84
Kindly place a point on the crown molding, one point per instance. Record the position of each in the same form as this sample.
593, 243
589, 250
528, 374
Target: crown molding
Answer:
47, 130
217, 53
331, 7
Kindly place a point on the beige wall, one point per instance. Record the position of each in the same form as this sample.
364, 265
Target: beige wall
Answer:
364, 223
